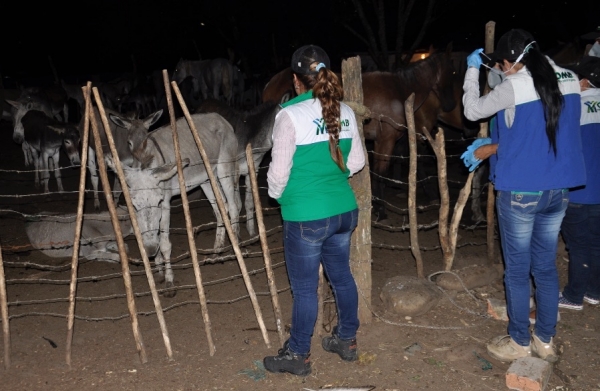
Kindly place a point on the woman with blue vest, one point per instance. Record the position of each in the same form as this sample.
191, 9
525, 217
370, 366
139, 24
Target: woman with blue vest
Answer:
581, 225
316, 148
538, 157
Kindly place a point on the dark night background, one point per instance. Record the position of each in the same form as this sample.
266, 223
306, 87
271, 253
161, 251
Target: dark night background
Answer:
91, 37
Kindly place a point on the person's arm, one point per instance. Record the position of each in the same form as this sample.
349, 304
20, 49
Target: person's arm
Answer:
356, 157
485, 151
282, 153
478, 107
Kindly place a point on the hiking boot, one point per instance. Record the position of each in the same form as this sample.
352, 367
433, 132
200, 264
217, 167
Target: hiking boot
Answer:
563, 302
504, 348
591, 300
288, 361
544, 350
346, 349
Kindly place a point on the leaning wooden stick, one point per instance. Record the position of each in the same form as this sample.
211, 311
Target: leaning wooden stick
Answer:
262, 233
4, 310
115, 222
78, 222
188, 220
136, 229
412, 185
232, 236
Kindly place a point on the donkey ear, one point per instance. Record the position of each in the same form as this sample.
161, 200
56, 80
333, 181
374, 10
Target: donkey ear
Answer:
152, 118
119, 121
13, 103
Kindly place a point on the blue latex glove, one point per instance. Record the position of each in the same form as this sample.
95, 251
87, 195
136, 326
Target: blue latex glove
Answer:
474, 59
469, 159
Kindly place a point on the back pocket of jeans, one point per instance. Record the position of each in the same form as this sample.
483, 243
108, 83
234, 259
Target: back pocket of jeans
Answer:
314, 231
524, 202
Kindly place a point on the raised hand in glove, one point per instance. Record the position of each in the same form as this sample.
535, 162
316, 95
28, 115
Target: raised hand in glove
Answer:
468, 158
474, 59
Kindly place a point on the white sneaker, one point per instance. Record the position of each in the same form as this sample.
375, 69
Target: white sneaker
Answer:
544, 350
504, 348
591, 300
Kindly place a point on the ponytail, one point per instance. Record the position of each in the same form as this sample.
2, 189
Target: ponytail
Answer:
546, 85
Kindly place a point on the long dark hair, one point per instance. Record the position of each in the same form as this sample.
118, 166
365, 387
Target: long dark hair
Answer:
327, 88
546, 86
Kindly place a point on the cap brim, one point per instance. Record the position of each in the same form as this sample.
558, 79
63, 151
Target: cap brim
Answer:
592, 36
491, 59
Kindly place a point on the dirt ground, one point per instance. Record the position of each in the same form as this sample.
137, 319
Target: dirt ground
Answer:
443, 349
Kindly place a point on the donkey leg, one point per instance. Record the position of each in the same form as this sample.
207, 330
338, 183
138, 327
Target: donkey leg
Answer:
221, 231
44, 171
250, 210
93, 169
117, 190
27, 152
228, 184
57, 175
164, 254
35, 157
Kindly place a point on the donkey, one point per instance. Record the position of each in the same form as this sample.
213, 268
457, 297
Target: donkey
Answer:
44, 137
120, 136
53, 99
52, 234
154, 183
255, 127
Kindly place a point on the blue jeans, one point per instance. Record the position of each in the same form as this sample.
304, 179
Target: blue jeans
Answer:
307, 244
581, 231
529, 225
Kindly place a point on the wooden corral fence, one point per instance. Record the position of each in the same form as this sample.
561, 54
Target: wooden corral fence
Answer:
361, 257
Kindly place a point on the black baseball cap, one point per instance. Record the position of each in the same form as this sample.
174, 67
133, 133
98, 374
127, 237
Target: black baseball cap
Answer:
589, 68
307, 55
511, 45
592, 35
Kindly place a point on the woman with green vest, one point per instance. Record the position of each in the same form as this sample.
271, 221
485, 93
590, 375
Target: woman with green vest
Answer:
316, 148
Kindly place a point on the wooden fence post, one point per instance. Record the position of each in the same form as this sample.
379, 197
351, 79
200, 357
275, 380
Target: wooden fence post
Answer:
490, 30
360, 251
4, 312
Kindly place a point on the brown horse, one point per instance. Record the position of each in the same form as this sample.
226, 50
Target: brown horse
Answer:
432, 81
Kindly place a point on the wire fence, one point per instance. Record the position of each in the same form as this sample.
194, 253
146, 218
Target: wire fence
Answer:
21, 206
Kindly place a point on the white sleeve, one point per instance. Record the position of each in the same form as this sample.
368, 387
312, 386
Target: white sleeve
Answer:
479, 107
356, 157
282, 153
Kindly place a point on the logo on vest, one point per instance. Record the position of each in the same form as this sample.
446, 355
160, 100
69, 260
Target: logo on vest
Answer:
564, 76
592, 107
321, 127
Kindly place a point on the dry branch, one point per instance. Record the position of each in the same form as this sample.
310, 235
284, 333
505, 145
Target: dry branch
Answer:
232, 236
